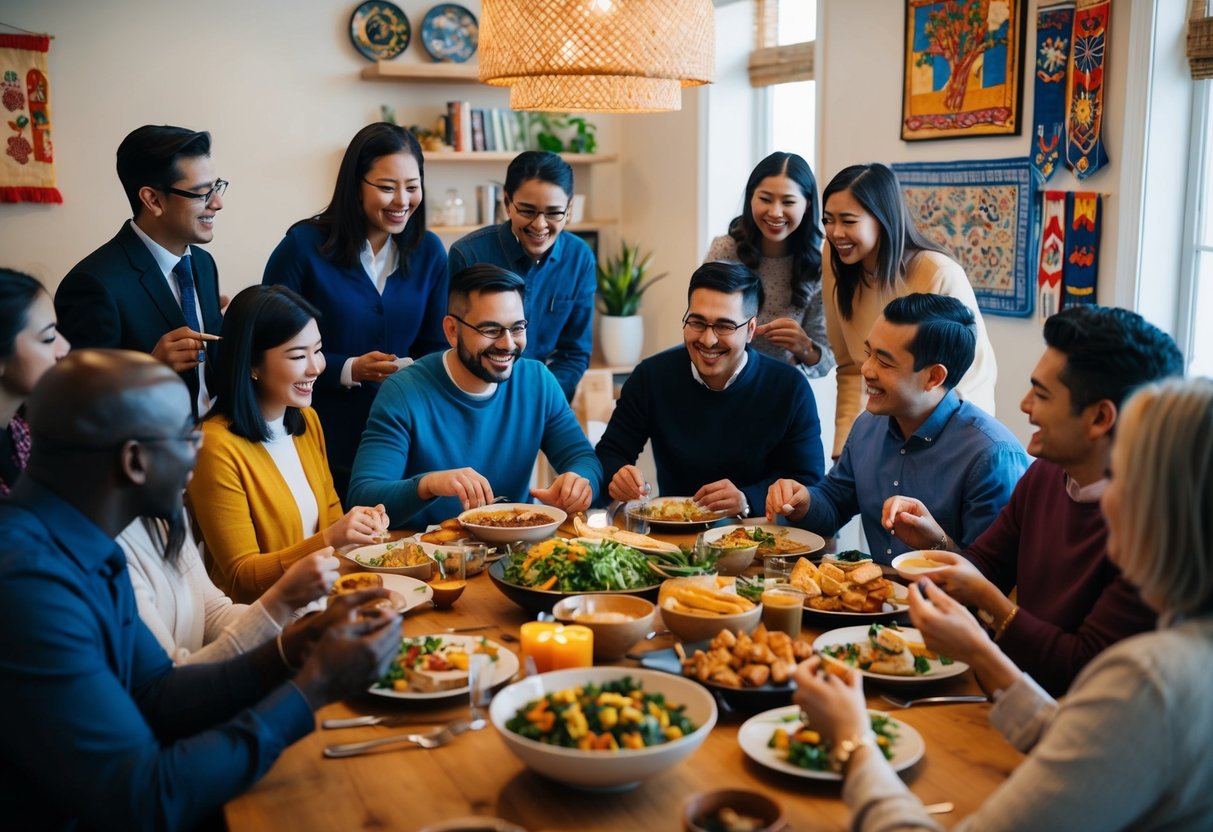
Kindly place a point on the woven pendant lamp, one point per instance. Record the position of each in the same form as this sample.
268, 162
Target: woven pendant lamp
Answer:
621, 56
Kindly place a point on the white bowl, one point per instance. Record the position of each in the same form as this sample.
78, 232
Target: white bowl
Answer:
603, 770
362, 554
525, 534
910, 564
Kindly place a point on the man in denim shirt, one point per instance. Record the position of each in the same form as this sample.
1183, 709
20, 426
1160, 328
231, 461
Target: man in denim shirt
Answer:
917, 437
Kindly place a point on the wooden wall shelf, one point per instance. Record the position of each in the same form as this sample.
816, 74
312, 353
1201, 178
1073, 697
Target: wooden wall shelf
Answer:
394, 71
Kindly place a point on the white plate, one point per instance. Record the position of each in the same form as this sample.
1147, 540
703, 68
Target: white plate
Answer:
360, 555
899, 563
859, 635
503, 669
635, 513
756, 732
900, 592
415, 592
812, 542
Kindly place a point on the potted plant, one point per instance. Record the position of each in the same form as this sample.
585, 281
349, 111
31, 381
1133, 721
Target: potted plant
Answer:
621, 284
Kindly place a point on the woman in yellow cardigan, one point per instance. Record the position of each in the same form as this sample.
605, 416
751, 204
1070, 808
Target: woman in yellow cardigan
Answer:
262, 494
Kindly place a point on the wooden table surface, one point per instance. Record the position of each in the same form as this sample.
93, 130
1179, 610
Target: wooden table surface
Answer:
406, 788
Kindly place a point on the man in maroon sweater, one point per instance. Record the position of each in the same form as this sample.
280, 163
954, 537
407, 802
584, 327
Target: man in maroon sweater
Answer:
1049, 540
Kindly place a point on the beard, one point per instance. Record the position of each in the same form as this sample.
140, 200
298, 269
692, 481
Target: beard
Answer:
472, 362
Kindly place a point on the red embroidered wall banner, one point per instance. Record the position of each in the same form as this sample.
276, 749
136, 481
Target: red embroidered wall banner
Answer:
27, 171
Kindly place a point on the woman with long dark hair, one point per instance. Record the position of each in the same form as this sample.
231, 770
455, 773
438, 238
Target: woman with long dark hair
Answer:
376, 275
777, 236
876, 254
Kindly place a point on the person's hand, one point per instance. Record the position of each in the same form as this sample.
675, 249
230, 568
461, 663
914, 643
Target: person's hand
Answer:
627, 484
373, 366
910, 522
466, 484
569, 492
788, 334
350, 654
299, 637
722, 495
787, 498
180, 348
306, 580
947, 627
361, 524
836, 708
965, 583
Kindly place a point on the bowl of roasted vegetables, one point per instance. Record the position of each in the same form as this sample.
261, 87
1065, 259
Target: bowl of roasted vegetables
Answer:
399, 557
538, 577
602, 727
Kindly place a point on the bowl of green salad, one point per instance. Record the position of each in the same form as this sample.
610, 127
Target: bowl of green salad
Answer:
538, 577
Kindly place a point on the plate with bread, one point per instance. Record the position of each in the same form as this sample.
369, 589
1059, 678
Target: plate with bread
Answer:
850, 584
404, 593
436, 666
886, 652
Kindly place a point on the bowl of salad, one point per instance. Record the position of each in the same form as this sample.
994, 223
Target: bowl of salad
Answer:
399, 557
538, 577
602, 728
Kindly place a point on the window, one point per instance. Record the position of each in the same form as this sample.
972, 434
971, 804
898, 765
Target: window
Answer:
791, 107
1199, 346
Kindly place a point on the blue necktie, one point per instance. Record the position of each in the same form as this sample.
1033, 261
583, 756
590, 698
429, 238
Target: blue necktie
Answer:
184, 273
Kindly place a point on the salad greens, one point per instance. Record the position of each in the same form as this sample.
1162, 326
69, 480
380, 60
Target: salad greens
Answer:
571, 566
805, 748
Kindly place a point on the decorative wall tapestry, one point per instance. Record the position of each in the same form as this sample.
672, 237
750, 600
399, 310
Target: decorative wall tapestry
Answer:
1052, 255
1053, 27
963, 68
1083, 220
27, 172
1085, 152
983, 213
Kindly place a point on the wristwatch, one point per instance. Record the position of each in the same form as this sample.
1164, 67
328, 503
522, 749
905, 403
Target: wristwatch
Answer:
847, 748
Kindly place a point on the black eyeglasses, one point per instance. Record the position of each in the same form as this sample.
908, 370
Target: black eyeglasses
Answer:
528, 213
494, 331
217, 189
194, 438
723, 329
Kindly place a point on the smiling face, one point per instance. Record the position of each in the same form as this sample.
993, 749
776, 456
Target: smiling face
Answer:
778, 208
484, 362
177, 221
391, 191
287, 373
35, 349
852, 232
1062, 436
536, 234
716, 357
893, 386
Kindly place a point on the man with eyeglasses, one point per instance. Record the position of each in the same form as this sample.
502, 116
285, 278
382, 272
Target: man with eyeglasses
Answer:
458, 429
151, 288
725, 420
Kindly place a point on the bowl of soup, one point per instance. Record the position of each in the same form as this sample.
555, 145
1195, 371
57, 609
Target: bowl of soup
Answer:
912, 564
618, 621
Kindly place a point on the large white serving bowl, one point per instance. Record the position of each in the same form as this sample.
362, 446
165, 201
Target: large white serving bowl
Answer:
603, 770
502, 534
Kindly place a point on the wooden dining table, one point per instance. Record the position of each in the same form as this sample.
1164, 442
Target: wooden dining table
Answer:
405, 787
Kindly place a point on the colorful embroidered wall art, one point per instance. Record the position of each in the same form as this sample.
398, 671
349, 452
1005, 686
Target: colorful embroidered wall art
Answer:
982, 212
1083, 226
1053, 27
1085, 152
27, 172
963, 68
1052, 255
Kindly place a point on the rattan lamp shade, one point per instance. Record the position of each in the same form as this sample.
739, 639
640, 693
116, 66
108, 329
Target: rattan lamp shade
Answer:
596, 55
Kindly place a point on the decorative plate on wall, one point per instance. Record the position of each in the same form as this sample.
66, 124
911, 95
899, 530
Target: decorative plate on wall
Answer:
380, 31
450, 33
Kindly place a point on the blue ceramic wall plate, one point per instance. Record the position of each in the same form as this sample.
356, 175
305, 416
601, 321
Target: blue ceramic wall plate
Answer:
380, 31
450, 33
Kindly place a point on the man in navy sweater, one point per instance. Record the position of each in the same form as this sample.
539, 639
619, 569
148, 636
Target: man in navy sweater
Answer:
725, 421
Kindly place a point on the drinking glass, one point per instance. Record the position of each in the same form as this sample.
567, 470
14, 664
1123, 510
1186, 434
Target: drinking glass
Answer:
778, 570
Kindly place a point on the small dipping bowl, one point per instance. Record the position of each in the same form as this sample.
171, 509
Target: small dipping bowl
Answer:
618, 621
701, 806
912, 564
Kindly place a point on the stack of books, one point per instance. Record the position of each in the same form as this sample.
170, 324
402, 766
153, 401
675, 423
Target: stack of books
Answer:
468, 129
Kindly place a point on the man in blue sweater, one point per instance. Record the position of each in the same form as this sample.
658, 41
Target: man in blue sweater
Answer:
725, 421
916, 437
459, 427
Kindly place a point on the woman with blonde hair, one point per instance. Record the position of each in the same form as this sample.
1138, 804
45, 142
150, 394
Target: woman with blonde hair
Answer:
1128, 747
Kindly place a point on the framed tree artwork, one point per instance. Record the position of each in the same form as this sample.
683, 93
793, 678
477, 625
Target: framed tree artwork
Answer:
963, 68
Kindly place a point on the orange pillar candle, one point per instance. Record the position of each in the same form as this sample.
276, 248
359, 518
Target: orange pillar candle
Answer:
537, 643
572, 646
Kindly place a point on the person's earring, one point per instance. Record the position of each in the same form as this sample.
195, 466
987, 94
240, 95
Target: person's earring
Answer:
255, 378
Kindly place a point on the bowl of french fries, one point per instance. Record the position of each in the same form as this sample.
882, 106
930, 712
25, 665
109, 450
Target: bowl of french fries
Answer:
697, 608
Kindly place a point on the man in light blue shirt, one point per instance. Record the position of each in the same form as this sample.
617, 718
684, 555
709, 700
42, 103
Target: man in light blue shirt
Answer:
917, 437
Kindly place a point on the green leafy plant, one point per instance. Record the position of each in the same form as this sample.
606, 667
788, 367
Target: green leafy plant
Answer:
622, 283
551, 126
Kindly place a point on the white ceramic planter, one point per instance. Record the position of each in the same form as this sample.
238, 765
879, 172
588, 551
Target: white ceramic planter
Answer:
621, 339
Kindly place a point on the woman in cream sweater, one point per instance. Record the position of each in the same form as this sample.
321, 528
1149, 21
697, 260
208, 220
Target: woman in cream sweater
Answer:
262, 494
876, 254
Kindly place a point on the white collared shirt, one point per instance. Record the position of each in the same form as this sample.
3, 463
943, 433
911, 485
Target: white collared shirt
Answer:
166, 260
1086, 493
745, 358
379, 266
282, 449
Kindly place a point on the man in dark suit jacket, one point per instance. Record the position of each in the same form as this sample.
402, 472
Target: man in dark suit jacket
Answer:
131, 292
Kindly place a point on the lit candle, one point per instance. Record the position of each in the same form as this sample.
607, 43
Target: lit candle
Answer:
572, 646
537, 643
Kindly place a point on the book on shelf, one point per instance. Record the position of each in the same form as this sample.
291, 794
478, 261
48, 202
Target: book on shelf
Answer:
478, 130
492, 129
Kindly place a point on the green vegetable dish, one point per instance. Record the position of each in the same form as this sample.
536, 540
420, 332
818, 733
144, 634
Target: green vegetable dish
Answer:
569, 566
616, 715
886, 652
804, 747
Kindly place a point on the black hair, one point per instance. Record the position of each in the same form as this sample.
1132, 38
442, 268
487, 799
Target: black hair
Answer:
732, 279
1110, 352
17, 294
947, 332
148, 156
541, 165
258, 319
344, 220
876, 188
804, 244
483, 277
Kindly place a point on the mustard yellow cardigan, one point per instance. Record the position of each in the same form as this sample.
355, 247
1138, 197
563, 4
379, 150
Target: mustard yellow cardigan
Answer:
245, 511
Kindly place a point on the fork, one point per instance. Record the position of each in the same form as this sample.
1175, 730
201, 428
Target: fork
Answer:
931, 700
429, 739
